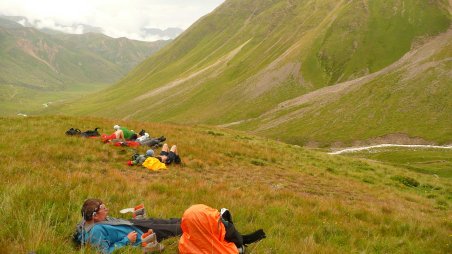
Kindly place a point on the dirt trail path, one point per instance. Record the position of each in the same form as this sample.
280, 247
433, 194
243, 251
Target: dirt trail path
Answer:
356, 149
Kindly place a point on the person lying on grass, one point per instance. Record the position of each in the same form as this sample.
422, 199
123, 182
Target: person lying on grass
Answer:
108, 234
151, 142
121, 134
168, 156
206, 230
159, 162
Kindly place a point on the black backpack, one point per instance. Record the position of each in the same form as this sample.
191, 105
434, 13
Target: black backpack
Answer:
73, 132
90, 133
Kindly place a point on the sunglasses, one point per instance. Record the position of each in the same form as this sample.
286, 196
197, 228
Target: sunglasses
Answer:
101, 206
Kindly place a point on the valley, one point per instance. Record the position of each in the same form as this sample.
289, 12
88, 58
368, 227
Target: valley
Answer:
38, 66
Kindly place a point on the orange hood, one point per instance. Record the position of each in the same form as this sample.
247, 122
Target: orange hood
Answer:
203, 232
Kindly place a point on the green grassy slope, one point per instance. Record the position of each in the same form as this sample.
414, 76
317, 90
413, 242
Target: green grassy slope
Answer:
247, 56
413, 97
306, 201
428, 161
369, 35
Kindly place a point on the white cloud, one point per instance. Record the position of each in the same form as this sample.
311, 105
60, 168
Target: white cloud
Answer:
118, 18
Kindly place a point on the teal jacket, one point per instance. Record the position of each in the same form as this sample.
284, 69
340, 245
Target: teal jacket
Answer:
109, 235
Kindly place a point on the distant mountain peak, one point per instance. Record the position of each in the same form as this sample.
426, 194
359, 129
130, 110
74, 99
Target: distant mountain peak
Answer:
50, 27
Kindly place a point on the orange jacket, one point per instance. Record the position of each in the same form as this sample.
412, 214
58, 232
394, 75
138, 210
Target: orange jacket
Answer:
203, 232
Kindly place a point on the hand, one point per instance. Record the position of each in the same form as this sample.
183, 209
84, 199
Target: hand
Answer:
132, 236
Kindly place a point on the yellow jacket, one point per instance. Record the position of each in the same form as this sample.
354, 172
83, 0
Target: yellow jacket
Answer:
153, 164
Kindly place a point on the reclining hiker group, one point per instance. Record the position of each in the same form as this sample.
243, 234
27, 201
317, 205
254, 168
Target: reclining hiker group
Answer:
125, 137
201, 229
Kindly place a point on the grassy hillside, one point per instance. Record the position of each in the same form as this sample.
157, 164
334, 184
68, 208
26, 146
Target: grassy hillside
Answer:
412, 96
246, 57
428, 161
35, 62
306, 201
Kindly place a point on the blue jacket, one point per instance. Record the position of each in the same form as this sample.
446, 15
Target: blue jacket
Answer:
109, 235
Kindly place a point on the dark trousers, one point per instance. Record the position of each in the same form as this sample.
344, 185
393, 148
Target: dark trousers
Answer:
163, 228
232, 235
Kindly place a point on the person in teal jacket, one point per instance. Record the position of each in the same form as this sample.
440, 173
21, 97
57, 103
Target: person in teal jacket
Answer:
108, 234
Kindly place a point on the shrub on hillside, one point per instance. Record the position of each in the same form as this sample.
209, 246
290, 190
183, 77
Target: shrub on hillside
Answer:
258, 162
407, 181
215, 133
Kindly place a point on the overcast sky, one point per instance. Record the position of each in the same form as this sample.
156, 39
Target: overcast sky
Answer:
118, 18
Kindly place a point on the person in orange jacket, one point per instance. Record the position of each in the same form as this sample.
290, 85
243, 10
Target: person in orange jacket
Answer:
206, 230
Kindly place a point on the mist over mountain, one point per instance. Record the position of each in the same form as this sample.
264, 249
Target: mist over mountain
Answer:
49, 26
168, 33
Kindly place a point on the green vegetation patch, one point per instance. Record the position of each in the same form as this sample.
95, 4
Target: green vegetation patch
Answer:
436, 162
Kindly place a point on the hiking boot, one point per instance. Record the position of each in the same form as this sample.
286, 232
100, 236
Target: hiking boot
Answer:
226, 215
139, 212
162, 138
254, 237
142, 132
148, 238
151, 247
241, 249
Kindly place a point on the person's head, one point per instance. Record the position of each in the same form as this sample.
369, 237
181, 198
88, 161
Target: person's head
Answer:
94, 210
116, 127
150, 153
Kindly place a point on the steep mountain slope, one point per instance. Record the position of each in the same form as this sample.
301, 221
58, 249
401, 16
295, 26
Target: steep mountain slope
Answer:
411, 96
248, 56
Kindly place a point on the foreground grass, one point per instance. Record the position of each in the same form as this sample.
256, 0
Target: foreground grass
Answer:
306, 201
